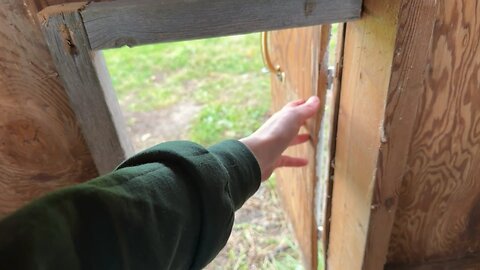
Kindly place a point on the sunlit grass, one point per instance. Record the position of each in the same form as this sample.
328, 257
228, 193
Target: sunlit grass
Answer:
224, 74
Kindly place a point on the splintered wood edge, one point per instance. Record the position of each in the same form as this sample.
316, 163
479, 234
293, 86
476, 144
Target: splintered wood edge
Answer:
54, 10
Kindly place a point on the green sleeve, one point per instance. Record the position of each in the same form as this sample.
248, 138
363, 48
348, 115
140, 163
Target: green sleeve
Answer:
169, 207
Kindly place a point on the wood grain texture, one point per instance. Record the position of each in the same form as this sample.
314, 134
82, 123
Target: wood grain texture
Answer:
415, 27
41, 146
368, 55
88, 86
438, 215
300, 53
126, 22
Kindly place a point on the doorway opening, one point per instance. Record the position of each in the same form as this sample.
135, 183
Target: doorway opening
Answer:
205, 91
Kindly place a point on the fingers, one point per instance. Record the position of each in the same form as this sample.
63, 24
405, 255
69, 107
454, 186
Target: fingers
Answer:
300, 139
304, 109
299, 102
295, 103
287, 161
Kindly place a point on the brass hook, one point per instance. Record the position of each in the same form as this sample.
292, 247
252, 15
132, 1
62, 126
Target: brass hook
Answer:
275, 69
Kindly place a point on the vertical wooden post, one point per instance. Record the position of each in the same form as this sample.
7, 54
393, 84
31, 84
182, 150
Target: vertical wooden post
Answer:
88, 86
379, 99
410, 62
41, 144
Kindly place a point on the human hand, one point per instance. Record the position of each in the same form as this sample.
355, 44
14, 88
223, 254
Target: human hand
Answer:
278, 133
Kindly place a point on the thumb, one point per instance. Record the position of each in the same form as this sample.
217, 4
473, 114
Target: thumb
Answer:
309, 108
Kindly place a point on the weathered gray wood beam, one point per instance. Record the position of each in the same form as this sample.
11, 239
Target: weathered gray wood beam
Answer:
127, 22
88, 86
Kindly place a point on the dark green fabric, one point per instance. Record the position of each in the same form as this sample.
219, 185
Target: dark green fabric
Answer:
169, 207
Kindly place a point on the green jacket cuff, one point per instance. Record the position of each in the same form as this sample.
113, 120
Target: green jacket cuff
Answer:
242, 167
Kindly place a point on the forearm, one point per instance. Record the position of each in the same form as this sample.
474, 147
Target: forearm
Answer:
169, 207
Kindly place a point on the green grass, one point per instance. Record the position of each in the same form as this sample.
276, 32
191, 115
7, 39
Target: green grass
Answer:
223, 74
253, 245
332, 45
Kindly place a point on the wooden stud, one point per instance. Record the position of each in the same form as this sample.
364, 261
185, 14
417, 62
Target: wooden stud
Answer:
368, 54
379, 101
415, 27
88, 86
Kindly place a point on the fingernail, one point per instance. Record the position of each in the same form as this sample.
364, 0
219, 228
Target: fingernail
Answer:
313, 99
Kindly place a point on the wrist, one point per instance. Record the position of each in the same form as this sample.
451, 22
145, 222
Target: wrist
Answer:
259, 147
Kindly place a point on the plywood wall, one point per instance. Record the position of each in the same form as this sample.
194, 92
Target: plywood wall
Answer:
41, 146
438, 215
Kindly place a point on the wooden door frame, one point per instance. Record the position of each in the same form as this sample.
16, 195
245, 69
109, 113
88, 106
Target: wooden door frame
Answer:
385, 57
76, 32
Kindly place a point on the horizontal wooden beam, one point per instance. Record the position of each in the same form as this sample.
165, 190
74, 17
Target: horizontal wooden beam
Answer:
126, 22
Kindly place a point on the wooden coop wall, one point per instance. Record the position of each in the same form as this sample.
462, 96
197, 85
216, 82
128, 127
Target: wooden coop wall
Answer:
406, 187
41, 146
438, 213
76, 55
70, 36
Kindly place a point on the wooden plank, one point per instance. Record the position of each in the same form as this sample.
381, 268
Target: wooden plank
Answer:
88, 86
300, 52
376, 123
41, 145
131, 23
415, 23
369, 192
439, 203
368, 55
469, 263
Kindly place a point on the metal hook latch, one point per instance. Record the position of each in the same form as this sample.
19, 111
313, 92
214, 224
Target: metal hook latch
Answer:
275, 69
